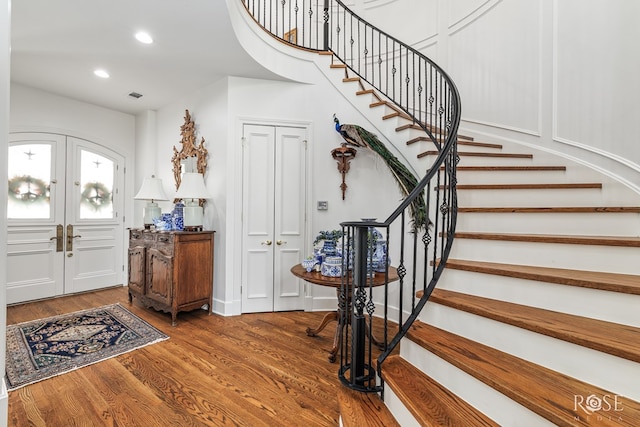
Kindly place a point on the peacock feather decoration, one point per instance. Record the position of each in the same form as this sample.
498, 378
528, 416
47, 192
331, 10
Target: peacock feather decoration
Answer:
360, 137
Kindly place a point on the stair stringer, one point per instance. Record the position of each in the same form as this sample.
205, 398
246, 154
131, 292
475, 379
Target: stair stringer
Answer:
384, 129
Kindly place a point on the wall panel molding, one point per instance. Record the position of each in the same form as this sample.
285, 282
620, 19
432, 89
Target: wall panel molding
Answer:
372, 4
472, 16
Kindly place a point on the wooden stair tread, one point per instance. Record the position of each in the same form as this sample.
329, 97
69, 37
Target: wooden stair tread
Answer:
556, 209
509, 168
351, 79
363, 409
377, 104
427, 400
460, 142
548, 393
549, 186
480, 154
607, 337
364, 91
337, 66
613, 282
554, 238
408, 126
396, 113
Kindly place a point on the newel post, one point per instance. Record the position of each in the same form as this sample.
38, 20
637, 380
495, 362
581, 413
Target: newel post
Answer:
358, 324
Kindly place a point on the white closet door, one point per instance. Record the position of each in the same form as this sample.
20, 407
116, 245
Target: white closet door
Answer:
274, 200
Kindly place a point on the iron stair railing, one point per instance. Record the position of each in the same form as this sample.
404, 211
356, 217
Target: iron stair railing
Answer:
427, 96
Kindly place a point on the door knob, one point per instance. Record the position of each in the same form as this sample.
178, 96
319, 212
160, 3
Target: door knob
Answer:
267, 242
58, 237
280, 242
70, 237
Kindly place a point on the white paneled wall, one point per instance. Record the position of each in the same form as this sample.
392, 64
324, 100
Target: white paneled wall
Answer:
557, 74
596, 68
494, 60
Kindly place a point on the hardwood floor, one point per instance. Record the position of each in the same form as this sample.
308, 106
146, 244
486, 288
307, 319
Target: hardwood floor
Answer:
249, 370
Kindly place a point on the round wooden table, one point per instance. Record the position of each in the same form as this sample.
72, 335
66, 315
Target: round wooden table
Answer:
336, 282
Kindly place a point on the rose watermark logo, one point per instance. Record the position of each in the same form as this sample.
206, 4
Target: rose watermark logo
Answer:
603, 406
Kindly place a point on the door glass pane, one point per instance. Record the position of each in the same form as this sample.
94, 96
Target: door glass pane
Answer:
29, 181
96, 186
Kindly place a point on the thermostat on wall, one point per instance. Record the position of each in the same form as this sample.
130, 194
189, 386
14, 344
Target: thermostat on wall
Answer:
323, 205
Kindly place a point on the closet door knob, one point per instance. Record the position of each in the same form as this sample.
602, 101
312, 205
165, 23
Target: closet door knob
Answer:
267, 242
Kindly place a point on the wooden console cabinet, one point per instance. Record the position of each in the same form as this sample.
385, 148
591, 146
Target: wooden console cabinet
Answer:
171, 271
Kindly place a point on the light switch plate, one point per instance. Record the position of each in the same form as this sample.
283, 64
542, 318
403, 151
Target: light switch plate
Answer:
323, 205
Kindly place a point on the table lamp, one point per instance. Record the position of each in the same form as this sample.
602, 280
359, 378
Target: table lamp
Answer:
151, 190
191, 190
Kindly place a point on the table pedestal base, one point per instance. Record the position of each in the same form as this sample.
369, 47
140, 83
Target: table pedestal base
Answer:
335, 316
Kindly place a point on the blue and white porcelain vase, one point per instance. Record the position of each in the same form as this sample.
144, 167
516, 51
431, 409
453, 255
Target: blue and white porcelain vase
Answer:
178, 216
332, 266
380, 256
329, 248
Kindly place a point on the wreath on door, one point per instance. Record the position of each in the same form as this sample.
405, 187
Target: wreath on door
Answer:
95, 195
27, 189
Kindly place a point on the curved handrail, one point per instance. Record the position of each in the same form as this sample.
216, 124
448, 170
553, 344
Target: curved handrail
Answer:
420, 91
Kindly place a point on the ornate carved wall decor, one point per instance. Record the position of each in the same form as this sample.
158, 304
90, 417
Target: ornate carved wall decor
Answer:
192, 157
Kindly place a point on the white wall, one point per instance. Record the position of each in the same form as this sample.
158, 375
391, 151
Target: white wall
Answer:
208, 110
218, 111
557, 74
4, 137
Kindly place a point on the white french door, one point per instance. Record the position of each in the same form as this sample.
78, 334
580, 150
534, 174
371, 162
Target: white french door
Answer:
273, 217
64, 228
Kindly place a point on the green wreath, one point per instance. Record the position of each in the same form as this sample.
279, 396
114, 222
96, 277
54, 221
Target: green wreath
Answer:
95, 194
37, 189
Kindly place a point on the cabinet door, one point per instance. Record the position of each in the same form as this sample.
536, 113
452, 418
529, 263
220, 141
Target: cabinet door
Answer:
160, 276
194, 261
137, 271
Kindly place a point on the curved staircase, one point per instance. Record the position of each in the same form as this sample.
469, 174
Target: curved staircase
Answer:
537, 311
534, 320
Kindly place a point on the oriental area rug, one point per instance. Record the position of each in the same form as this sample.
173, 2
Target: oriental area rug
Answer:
44, 348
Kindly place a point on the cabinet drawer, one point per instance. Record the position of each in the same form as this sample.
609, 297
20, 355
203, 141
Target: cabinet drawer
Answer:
164, 243
136, 238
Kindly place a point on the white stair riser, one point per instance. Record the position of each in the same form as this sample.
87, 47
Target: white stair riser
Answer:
492, 403
400, 412
513, 177
530, 198
588, 224
495, 161
531, 176
612, 373
594, 303
613, 259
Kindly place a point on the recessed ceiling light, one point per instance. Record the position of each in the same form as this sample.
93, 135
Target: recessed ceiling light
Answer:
101, 73
143, 37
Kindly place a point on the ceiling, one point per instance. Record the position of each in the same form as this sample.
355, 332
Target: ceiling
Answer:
56, 46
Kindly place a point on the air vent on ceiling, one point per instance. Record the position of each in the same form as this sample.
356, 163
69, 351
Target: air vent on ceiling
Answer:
135, 95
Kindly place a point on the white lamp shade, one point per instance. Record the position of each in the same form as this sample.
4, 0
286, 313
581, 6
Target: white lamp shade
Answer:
151, 189
192, 187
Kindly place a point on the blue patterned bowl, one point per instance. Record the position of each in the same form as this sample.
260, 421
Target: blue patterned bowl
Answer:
308, 264
332, 266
